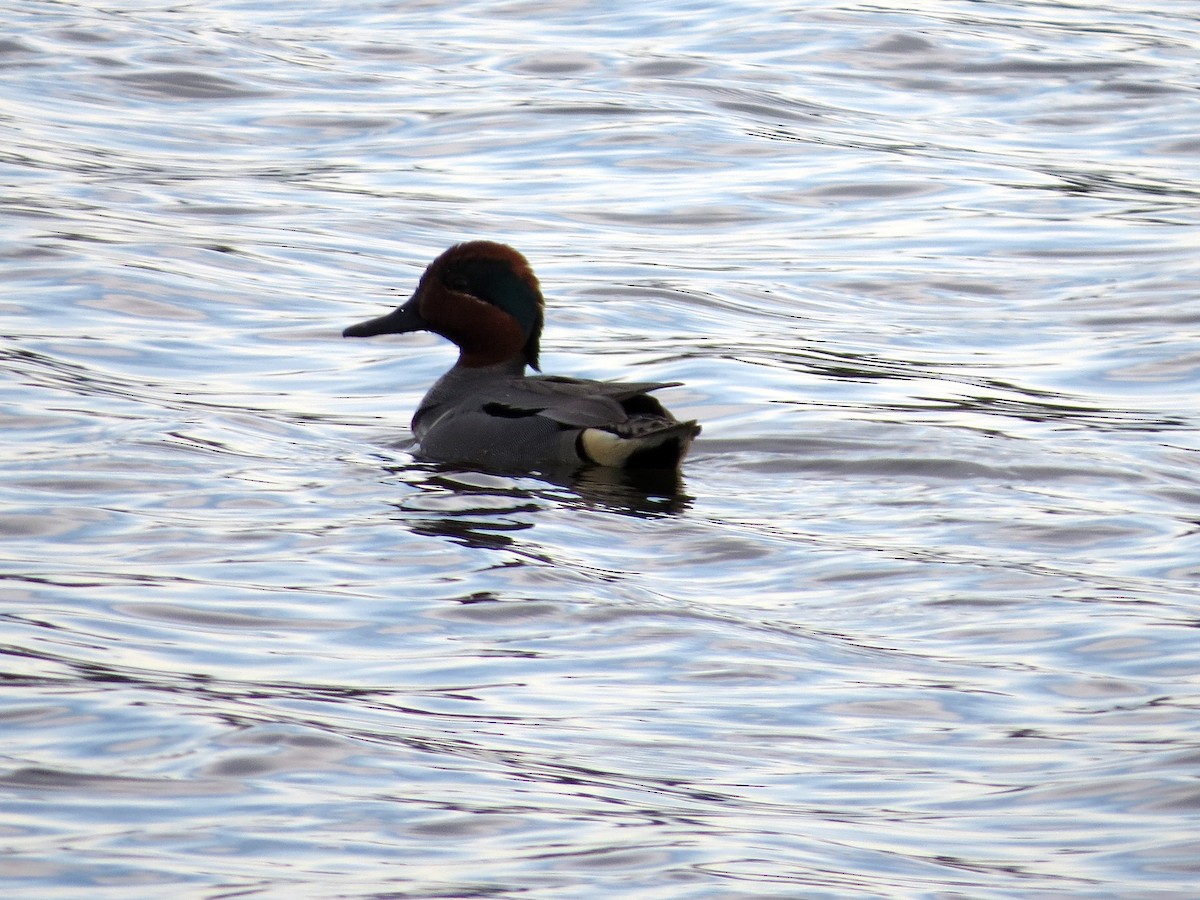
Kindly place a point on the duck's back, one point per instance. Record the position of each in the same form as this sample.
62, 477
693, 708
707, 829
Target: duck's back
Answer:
547, 421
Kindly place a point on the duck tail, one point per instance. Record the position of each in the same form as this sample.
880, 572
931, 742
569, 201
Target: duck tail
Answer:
640, 442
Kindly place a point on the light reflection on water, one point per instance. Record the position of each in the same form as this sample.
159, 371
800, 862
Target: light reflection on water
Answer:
918, 619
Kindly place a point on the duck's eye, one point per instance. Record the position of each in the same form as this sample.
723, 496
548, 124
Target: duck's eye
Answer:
458, 283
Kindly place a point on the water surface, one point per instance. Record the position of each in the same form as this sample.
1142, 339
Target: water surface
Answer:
920, 619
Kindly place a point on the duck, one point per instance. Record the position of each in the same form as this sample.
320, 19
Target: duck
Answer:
486, 411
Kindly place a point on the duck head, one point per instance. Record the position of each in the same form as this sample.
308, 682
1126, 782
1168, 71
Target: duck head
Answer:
481, 295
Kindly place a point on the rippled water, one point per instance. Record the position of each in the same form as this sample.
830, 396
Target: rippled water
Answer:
920, 621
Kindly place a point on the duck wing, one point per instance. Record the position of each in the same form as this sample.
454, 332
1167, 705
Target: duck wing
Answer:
576, 402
